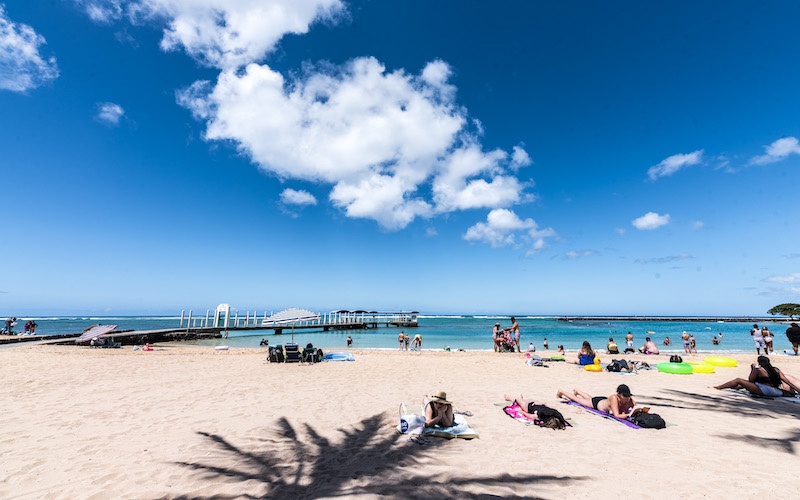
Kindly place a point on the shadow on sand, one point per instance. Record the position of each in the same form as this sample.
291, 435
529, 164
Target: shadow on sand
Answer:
739, 402
369, 460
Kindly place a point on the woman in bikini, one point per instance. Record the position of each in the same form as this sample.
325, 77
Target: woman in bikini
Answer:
439, 411
620, 404
764, 380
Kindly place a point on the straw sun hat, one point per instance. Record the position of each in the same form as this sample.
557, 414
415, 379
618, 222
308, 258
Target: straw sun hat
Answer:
441, 397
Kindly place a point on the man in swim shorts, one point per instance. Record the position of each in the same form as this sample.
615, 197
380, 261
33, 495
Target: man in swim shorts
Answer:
685, 338
629, 343
649, 347
758, 339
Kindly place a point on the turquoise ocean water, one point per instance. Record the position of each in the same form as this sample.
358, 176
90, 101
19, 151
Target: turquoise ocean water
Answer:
463, 332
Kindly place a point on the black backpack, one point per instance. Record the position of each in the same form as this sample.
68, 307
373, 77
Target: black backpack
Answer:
276, 354
649, 421
617, 365
675, 359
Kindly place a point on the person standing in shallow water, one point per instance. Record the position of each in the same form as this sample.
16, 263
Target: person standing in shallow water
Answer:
400, 339
515, 331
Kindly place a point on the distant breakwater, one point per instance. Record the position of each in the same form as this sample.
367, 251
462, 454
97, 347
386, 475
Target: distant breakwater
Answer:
705, 319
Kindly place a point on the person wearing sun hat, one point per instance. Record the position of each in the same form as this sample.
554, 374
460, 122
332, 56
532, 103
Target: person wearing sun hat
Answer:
439, 411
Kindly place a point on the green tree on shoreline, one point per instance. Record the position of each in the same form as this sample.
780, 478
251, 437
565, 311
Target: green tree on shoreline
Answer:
787, 309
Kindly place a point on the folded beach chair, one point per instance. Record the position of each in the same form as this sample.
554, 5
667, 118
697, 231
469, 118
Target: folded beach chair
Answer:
292, 353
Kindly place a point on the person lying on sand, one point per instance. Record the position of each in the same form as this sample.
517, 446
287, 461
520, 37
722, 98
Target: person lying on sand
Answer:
550, 417
764, 380
619, 404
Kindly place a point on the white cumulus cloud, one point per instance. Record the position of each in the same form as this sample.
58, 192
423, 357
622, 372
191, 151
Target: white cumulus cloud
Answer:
393, 146
110, 113
669, 166
297, 197
376, 136
650, 220
786, 279
22, 67
503, 227
777, 151
221, 33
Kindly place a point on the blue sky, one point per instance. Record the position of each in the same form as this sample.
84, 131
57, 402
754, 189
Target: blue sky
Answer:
503, 157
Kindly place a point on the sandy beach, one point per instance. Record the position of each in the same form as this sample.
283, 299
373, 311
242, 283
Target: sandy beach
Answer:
188, 422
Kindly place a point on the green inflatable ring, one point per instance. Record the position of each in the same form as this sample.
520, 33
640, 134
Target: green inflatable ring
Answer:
701, 367
721, 361
676, 368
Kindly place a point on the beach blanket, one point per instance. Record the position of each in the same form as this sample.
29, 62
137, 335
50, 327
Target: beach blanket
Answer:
338, 356
413, 424
513, 411
603, 414
745, 392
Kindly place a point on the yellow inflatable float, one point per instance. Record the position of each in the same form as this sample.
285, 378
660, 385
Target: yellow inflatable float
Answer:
593, 368
721, 361
701, 367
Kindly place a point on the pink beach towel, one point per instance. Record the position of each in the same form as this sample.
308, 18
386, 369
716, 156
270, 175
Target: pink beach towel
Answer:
513, 411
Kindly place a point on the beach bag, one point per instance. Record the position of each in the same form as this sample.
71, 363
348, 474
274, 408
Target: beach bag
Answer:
675, 359
275, 355
410, 423
649, 421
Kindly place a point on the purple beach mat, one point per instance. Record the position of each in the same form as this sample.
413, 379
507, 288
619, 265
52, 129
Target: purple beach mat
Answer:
603, 414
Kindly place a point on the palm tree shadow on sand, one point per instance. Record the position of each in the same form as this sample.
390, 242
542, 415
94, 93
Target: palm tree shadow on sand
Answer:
740, 403
367, 461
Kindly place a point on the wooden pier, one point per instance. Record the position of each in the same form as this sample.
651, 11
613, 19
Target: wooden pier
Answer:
222, 322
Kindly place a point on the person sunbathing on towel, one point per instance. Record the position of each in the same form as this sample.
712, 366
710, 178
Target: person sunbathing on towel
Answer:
619, 404
550, 417
439, 411
764, 380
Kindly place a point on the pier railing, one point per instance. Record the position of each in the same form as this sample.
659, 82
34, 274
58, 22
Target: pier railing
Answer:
334, 318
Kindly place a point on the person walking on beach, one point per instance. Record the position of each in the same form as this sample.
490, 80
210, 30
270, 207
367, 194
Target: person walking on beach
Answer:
767, 340
793, 334
758, 339
515, 331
